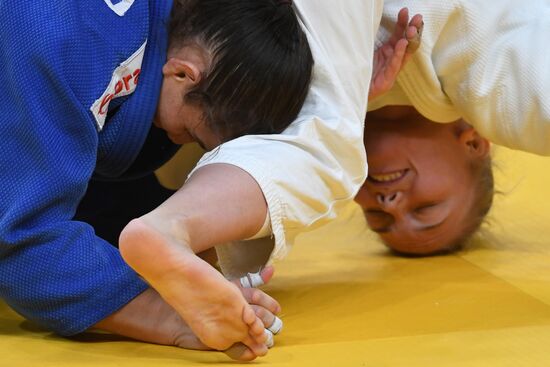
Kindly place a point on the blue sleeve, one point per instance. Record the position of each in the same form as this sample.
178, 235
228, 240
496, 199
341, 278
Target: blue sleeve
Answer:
53, 270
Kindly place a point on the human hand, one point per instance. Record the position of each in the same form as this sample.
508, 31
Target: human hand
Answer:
393, 55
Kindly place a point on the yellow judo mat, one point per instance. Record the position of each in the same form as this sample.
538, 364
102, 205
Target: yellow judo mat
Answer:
348, 302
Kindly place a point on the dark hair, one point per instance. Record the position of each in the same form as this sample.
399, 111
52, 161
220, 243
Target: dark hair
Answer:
483, 201
261, 63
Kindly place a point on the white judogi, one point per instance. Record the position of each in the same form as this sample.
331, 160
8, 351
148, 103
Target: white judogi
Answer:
319, 161
486, 61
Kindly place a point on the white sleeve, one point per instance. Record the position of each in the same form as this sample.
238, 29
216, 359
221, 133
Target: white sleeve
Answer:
484, 61
319, 160
504, 89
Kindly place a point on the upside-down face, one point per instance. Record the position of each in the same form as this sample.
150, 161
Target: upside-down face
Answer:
420, 188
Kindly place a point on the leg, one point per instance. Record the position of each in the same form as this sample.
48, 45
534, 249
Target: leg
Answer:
218, 204
214, 308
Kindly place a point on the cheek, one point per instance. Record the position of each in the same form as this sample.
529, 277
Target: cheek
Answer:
164, 110
445, 183
170, 100
382, 143
363, 197
437, 184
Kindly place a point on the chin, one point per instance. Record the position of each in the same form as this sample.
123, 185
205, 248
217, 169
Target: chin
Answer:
177, 139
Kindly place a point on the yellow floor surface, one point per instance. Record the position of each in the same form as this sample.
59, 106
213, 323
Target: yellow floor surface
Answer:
347, 302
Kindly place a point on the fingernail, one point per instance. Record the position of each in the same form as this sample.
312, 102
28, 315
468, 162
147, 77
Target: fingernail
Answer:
277, 326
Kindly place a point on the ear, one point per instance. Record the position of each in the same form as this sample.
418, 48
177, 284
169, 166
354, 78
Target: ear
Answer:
182, 70
476, 145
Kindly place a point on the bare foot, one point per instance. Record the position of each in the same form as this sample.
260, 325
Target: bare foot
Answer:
213, 307
150, 319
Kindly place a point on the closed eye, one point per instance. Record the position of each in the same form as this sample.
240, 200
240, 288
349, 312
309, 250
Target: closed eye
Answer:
422, 209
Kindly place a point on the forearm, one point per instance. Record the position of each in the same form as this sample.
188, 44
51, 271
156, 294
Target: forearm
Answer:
62, 277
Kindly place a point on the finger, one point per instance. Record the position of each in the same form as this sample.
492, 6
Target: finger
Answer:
403, 16
259, 298
393, 64
414, 36
400, 26
387, 51
417, 21
240, 352
396, 61
414, 33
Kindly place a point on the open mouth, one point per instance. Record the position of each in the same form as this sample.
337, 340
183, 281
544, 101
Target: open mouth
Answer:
387, 177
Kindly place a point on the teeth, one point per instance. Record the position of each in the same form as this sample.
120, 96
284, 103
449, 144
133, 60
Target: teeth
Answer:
387, 177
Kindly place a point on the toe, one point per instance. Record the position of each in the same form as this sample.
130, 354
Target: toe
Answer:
240, 352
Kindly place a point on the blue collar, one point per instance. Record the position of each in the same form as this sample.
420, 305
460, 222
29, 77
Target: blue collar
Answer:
135, 115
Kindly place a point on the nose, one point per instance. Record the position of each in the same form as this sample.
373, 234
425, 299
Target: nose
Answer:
389, 200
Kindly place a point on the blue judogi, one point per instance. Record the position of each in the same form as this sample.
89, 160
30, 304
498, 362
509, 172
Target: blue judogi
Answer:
58, 60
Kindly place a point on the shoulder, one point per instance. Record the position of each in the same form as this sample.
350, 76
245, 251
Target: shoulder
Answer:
75, 44
72, 27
